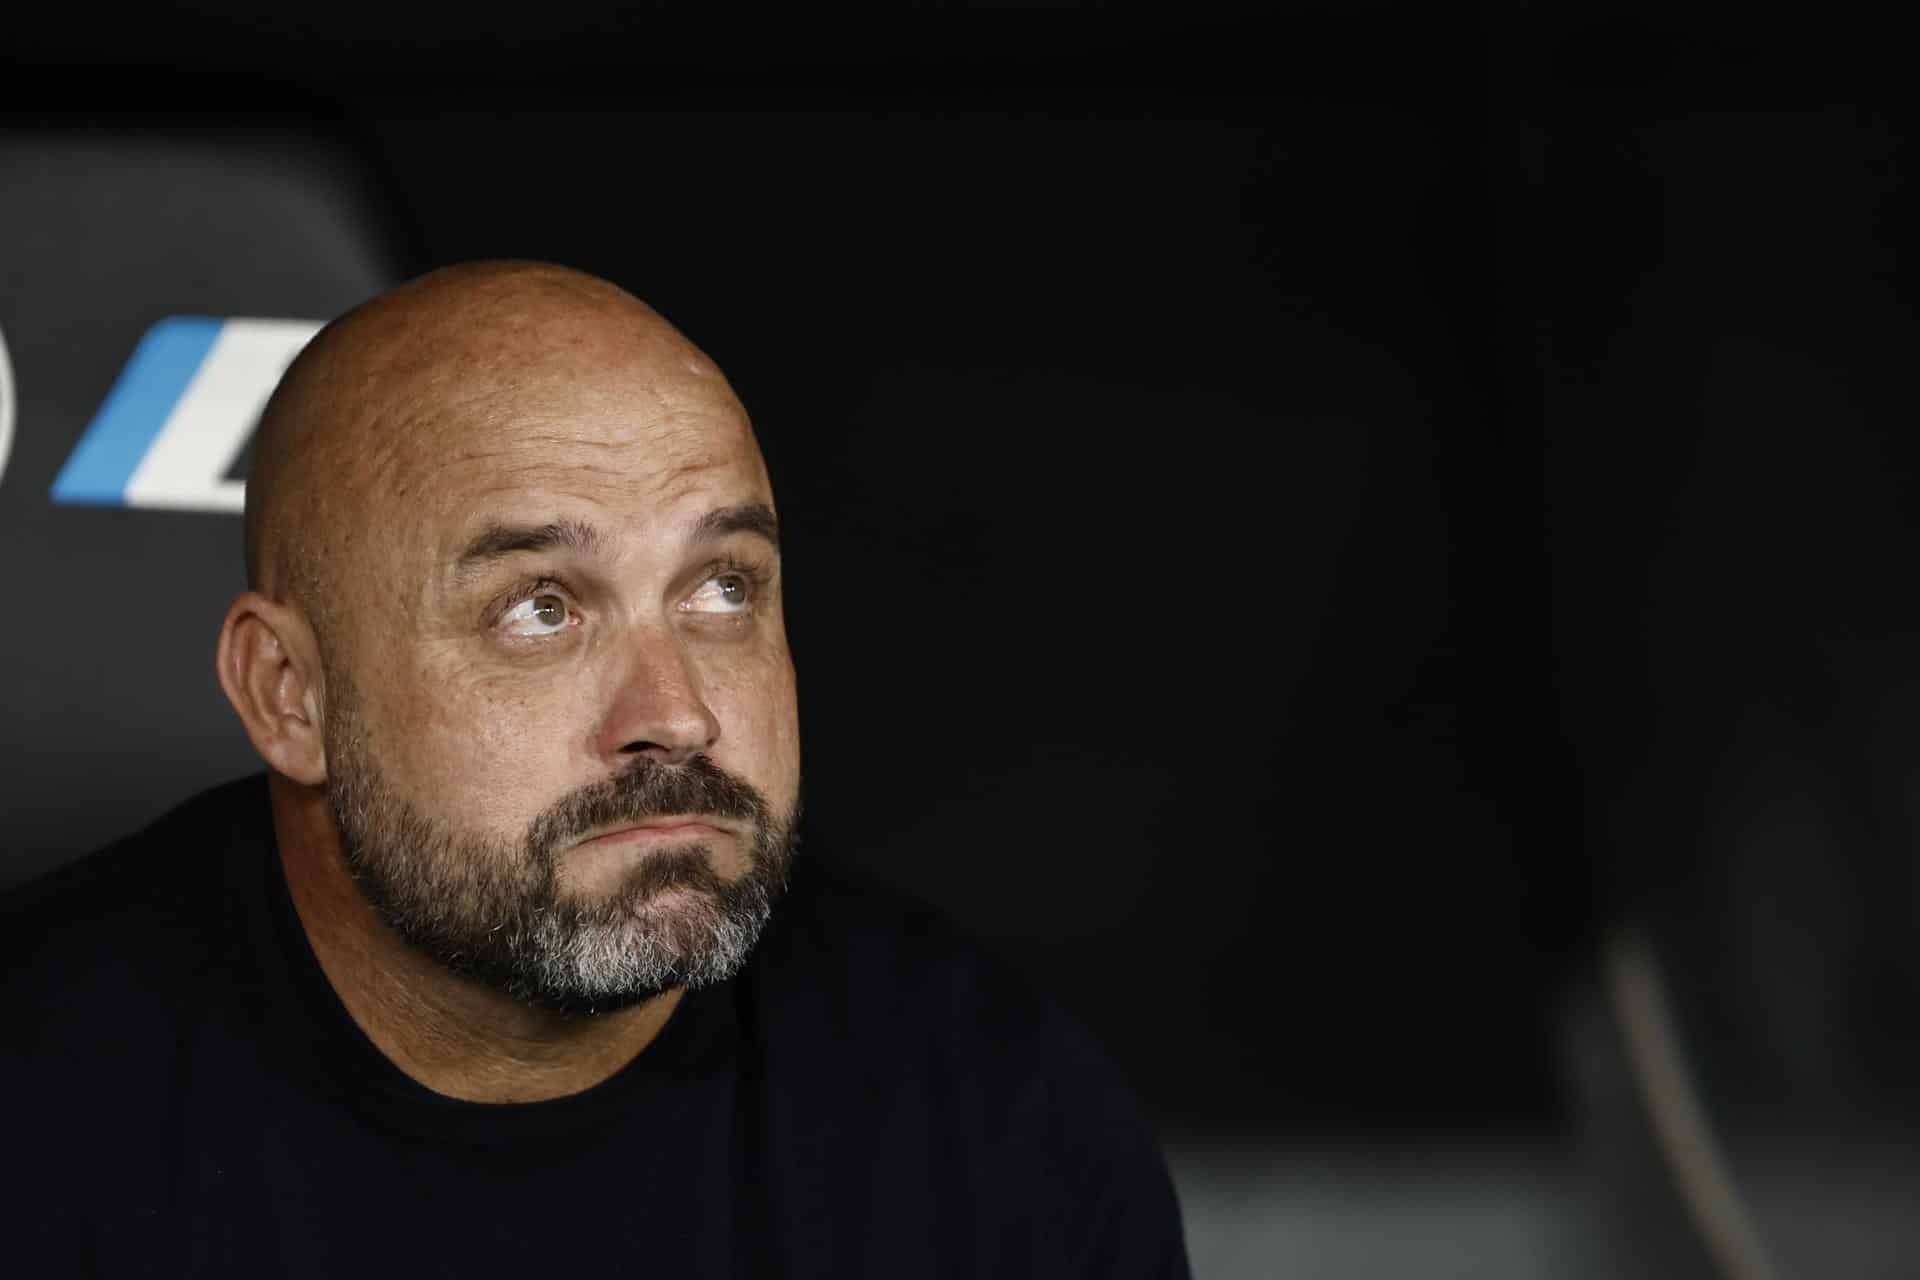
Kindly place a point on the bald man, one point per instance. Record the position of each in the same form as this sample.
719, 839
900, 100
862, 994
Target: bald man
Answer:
507, 961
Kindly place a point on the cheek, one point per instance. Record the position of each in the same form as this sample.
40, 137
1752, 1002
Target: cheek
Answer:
485, 750
757, 707
489, 749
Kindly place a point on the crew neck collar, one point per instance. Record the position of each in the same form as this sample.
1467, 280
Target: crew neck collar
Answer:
696, 1045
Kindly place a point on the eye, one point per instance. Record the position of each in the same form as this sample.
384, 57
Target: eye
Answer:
541, 615
730, 591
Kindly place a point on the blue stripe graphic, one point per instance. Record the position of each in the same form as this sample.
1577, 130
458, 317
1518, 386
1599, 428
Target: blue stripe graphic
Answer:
164, 362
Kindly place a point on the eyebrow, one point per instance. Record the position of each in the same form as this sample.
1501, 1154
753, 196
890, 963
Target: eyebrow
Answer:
498, 541
748, 517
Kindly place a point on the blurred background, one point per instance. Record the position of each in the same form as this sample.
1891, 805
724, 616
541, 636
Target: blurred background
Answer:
1340, 537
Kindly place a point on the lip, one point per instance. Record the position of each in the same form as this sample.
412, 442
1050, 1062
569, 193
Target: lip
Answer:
656, 831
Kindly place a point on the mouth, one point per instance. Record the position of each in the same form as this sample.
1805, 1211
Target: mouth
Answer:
672, 830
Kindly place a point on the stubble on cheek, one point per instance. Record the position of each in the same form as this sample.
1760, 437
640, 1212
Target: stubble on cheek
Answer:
492, 746
756, 701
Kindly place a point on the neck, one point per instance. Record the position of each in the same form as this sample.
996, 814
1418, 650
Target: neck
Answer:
452, 1034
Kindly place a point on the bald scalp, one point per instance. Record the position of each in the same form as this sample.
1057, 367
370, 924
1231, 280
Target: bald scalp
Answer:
397, 376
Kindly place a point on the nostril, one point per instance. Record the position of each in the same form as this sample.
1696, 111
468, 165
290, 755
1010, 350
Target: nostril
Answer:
660, 752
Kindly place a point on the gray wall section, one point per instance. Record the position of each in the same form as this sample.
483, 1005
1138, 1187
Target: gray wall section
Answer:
1438, 1210
108, 707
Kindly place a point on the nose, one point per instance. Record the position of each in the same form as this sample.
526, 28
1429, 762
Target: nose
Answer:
657, 708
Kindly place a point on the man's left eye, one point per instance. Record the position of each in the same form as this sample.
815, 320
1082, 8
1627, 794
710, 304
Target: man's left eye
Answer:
540, 615
729, 592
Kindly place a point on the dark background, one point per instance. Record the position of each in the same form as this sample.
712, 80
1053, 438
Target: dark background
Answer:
1297, 513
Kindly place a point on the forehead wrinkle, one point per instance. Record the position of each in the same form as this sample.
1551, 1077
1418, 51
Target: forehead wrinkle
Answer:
388, 461
377, 403
680, 432
435, 420
673, 461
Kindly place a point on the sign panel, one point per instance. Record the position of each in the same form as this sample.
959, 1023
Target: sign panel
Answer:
180, 413
137, 267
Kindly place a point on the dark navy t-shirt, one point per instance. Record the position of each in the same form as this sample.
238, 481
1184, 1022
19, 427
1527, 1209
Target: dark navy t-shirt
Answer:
870, 1097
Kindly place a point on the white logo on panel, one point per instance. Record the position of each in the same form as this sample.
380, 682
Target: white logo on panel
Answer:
180, 413
215, 415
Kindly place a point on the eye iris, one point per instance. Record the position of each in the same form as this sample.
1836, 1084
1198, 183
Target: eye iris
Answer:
549, 611
733, 589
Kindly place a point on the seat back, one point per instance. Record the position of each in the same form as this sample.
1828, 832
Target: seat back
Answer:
155, 286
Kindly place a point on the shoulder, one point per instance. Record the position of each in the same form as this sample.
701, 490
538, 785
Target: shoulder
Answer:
913, 1043
133, 919
868, 963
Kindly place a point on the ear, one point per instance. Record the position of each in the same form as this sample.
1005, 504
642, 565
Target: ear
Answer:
269, 664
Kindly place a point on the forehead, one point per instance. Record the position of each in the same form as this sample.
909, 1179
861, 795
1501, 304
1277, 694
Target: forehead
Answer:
629, 447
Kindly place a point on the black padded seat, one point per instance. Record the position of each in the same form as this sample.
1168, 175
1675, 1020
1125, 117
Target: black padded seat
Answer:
155, 282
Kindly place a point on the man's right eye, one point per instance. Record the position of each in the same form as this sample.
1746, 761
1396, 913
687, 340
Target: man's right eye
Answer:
541, 615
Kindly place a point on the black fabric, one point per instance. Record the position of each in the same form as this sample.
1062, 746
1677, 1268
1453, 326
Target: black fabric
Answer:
869, 1097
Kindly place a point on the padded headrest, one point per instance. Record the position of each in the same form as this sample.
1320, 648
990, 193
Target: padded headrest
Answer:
155, 286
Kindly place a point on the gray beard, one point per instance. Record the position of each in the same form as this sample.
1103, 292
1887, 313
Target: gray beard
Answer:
492, 910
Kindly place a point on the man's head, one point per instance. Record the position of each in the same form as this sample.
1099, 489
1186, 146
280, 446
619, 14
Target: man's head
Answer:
514, 623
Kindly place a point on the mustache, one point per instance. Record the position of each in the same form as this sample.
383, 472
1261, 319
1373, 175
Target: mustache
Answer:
649, 789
